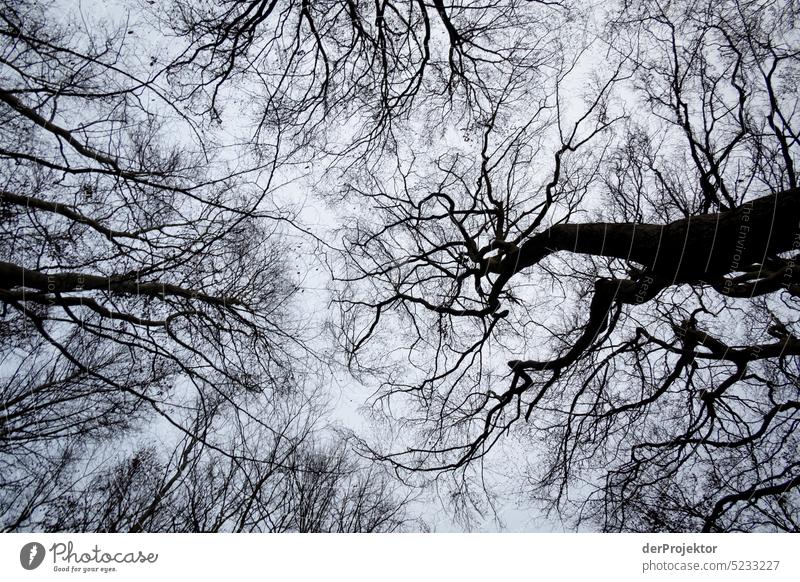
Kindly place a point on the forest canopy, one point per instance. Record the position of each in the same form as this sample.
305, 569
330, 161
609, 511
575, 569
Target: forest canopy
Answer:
549, 248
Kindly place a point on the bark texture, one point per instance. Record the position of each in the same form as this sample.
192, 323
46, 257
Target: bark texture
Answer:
694, 249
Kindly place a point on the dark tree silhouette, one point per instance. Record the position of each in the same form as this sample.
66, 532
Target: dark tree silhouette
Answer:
310, 489
153, 359
343, 76
628, 246
576, 231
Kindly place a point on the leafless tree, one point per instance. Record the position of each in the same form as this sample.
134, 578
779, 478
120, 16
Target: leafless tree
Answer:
147, 303
571, 231
311, 489
628, 245
344, 76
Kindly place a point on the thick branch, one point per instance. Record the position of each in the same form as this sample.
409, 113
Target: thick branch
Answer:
695, 249
15, 277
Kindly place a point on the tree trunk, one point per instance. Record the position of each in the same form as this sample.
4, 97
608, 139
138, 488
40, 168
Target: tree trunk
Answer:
694, 249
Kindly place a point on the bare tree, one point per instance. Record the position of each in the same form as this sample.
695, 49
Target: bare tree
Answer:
149, 331
641, 287
343, 77
311, 489
579, 235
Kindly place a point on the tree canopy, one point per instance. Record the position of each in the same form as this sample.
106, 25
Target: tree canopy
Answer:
560, 242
